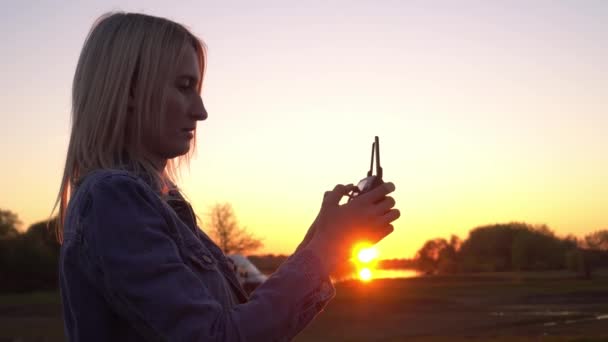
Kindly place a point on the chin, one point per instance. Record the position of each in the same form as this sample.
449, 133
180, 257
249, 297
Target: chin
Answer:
176, 149
183, 150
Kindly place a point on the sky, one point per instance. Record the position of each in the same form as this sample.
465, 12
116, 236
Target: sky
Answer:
487, 111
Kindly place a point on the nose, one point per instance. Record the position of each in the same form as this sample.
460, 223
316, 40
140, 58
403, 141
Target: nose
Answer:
199, 112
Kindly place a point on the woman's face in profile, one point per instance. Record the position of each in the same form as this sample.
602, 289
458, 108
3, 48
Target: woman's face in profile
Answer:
183, 108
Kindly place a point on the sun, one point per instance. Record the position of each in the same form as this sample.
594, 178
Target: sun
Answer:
367, 255
365, 274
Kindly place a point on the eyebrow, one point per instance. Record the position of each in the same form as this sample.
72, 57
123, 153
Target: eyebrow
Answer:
192, 78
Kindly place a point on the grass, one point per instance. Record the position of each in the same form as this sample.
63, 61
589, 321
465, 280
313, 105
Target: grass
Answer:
499, 307
31, 317
488, 307
30, 298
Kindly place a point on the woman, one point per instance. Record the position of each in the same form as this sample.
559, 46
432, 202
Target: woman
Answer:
134, 265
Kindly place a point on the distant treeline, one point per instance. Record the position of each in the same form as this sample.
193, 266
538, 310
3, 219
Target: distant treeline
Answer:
514, 247
268, 263
397, 264
29, 260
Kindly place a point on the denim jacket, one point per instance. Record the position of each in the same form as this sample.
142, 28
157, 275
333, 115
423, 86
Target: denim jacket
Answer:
136, 267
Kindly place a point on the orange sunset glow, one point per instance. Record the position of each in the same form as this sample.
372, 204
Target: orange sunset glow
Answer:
365, 274
487, 111
365, 257
238, 125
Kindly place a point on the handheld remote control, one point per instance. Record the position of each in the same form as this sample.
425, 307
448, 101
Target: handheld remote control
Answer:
370, 182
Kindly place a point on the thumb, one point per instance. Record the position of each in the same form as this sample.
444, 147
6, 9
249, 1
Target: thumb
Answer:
333, 197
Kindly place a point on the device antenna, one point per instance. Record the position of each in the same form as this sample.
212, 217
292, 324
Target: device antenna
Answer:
378, 167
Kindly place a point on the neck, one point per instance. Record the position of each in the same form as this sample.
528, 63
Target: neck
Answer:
159, 164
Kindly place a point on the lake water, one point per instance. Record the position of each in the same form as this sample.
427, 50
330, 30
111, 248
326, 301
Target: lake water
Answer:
391, 274
388, 274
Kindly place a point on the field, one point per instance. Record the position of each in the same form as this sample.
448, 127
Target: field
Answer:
489, 307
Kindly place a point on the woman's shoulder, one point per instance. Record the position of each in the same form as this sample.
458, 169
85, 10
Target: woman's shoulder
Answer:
104, 178
108, 193
105, 184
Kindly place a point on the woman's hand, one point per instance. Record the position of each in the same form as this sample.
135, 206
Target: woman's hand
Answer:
313, 227
337, 228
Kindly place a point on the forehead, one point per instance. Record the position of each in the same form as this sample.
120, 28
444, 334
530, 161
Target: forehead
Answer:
188, 63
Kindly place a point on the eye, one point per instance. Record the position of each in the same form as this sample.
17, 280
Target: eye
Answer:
186, 84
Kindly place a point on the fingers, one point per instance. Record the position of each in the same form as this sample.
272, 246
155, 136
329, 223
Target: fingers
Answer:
380, 233
387, 218
386, 230
384, 205
339, 191
378, 193
348, 188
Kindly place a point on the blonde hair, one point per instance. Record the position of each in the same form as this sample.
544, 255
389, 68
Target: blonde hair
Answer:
125, 60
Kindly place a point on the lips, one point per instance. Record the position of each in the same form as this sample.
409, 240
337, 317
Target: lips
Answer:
188, 132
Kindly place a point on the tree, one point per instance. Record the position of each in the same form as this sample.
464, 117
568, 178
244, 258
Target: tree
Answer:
9, 224
224, 229
597, 240
29, 261
591, 254
438, 255
515, 246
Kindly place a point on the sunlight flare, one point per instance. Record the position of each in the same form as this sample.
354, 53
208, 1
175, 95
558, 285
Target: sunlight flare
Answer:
367, 255
365, 258
365, 274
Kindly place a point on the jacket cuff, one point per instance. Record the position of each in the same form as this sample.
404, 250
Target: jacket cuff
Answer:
314, 270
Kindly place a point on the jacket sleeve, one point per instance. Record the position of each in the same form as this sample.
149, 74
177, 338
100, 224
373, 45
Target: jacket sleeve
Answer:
141, 273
